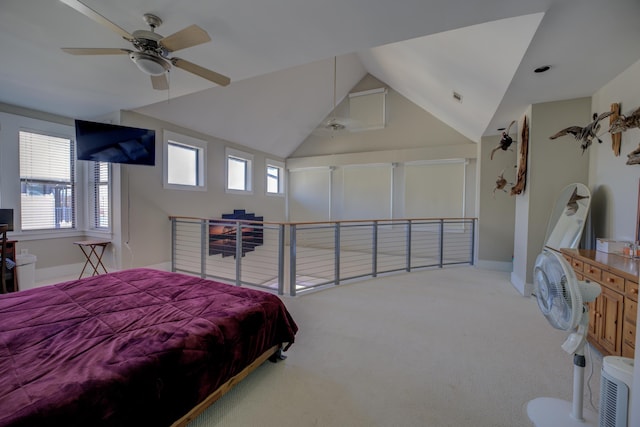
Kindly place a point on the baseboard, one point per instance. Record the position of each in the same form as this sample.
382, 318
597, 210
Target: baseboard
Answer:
164, 266
65, 272
495, 265
51, 274
521, 286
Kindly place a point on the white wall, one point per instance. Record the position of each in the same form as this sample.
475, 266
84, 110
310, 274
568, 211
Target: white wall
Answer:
552, 165
407, 127
496, 209
370, 171
144, 235
615, 184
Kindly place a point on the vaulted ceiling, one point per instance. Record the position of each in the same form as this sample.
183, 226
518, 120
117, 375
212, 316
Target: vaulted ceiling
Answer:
279, 56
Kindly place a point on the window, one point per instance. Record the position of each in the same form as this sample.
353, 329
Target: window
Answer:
275, 177
239, 171
184, 162
99, 177
47, 182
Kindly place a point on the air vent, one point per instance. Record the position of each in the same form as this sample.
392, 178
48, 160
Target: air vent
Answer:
457, 97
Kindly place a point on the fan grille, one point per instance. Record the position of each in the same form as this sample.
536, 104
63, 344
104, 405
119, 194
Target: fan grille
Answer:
554, 286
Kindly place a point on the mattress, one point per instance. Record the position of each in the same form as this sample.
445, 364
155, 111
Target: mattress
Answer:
136, 347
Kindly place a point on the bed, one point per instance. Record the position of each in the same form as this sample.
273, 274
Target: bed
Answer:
136, 347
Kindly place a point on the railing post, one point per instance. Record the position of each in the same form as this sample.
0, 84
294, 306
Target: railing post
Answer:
238, 252
408, 246
280, 259
173, 244
204, 233
441, 242
337, 253
473, 240
374, 249
292, 260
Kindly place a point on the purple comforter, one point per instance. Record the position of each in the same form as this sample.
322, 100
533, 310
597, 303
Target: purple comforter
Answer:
136, 347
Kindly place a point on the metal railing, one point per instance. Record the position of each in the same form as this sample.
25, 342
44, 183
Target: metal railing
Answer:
296, 257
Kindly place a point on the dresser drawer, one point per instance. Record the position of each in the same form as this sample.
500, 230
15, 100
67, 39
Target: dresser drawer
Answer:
631, 289
576, 264
592, 272
613, 281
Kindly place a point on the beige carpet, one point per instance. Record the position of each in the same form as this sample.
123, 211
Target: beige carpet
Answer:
452, 347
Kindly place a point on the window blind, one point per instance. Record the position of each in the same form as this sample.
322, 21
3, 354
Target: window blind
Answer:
100, 197
47, 182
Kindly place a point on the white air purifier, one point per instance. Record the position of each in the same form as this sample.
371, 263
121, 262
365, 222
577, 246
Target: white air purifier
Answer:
615, 391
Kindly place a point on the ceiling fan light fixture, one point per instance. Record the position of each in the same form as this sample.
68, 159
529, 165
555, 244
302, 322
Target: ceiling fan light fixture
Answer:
335, 125
152, 65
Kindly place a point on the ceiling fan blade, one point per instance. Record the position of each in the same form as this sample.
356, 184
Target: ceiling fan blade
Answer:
95, 51
200, 71
187, 37
87, 11
160, 82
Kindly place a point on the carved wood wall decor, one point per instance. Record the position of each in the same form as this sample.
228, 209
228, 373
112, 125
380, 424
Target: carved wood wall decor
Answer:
616, 138
522, 160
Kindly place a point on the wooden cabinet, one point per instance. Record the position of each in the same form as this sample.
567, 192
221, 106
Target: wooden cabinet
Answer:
608, 317
613, 315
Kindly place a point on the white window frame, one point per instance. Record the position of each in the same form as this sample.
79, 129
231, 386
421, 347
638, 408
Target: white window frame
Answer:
248, 158
93, 196
187, 141
76, 213
281, 177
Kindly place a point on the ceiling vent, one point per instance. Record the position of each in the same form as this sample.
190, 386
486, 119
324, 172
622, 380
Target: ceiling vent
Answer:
367, 109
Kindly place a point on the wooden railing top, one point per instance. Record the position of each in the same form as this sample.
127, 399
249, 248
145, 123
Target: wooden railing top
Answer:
245, 221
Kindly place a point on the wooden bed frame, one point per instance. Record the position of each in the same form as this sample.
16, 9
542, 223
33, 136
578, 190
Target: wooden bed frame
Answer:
226, 387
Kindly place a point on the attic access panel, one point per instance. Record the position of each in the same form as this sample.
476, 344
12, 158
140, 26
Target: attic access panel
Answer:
367, 109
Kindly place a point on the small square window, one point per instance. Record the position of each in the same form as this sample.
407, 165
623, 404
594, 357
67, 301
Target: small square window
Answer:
184, 162
275, 177
239, 171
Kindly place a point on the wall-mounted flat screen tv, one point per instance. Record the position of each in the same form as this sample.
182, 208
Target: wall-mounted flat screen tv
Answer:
104, 142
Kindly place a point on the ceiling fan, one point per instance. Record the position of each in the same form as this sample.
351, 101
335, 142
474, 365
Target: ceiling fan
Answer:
334, 124
152, 50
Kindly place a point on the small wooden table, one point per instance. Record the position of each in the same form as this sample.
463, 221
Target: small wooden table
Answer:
88, 248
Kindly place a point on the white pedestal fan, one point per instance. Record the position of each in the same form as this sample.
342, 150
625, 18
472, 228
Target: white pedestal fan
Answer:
561, 298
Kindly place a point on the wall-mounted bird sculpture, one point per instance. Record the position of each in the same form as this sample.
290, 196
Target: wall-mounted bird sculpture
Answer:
624, 122
505, 141
633, 158
584, 134
572, 204
501, 183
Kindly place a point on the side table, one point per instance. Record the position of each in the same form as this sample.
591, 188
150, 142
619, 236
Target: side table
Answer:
93, 255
